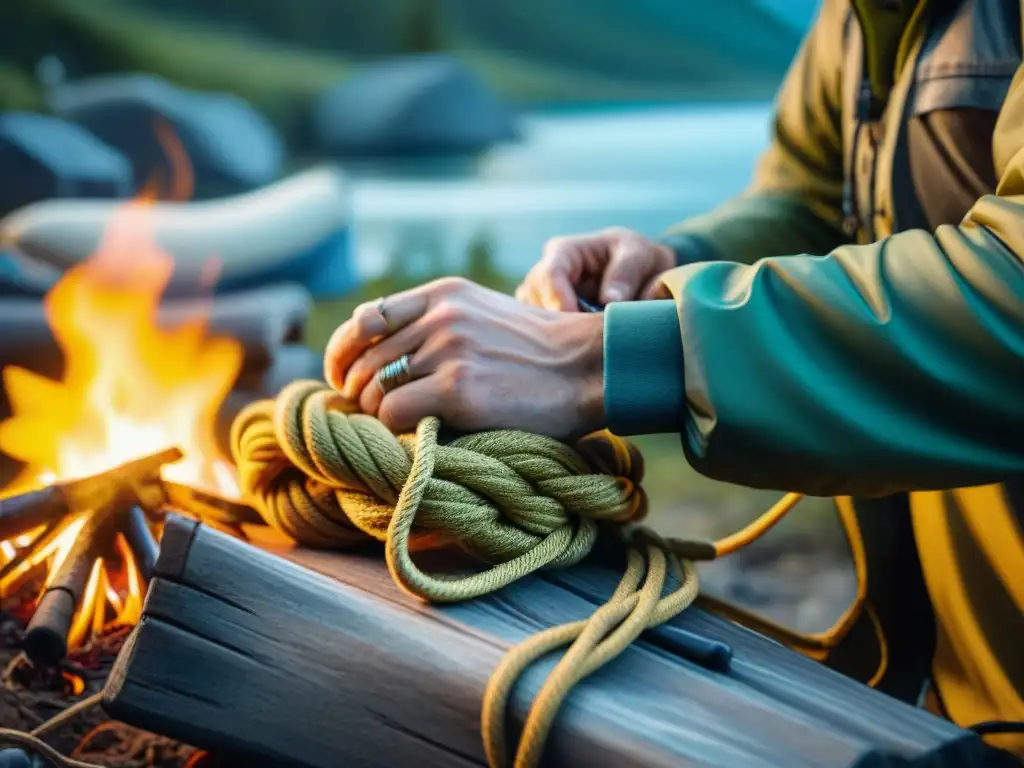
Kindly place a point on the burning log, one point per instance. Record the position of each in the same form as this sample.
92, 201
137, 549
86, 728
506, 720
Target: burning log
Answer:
46, 640
31, 510
319, 660
22, 513
140, 540
206, 505
79, 520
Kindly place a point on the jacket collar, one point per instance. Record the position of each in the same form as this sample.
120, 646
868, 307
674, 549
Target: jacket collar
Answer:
888, 29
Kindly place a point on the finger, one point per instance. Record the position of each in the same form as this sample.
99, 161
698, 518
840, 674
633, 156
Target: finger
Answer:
527, 294
365, 367
403, 408
628, 270
558, 293
371, 395
366, 326
565, 262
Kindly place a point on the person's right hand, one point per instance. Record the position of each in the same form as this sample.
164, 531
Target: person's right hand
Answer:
611, 265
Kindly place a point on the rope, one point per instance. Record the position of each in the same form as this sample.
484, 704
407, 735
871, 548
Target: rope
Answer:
32, 742
520, 502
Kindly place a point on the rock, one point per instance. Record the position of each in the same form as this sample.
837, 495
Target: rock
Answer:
231, 147
15, 758
44, 157
423, 105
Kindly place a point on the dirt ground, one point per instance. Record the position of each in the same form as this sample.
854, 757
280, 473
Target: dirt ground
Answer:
29, 697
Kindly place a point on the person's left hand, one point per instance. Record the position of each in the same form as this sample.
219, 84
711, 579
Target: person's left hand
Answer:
477, 359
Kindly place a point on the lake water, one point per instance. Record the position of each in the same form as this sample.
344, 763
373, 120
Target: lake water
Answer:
571, 172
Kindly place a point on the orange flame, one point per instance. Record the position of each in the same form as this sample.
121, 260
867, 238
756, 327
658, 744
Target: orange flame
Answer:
130, 387
131, 609
82, 624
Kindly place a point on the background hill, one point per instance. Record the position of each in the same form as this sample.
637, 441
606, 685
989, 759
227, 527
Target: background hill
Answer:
280, 54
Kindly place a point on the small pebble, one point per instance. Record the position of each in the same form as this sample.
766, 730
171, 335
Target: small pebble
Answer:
14, 758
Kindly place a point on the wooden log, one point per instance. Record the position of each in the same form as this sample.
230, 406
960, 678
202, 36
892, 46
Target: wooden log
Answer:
316, 659
135, 528
46, 637
262, 320
32, 509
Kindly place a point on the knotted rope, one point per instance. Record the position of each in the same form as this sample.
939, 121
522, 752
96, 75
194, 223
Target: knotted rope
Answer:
520, 502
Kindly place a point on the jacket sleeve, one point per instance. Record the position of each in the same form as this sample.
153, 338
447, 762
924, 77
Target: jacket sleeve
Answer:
794, 204
876, 368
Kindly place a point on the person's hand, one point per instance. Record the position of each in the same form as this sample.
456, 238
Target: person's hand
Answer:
611, 265
477, 359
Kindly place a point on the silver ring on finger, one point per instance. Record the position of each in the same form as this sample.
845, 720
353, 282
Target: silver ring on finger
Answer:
393, 375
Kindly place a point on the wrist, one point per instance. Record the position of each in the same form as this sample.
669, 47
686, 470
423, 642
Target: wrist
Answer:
585, 353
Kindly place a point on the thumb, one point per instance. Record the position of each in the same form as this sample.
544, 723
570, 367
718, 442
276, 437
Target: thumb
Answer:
627, 271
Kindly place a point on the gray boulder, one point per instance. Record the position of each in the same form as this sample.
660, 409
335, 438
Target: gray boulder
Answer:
44, 157
412, 106
231, 147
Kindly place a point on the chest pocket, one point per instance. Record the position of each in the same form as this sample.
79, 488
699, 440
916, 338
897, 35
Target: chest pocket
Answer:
969, 56
968, 59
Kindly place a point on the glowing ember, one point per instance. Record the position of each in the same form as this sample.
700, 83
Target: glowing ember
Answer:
131, 387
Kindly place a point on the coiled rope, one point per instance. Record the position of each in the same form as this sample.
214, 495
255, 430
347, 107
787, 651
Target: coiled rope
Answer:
519, 501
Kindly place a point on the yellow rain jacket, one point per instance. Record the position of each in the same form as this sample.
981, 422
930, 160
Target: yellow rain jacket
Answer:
853, 326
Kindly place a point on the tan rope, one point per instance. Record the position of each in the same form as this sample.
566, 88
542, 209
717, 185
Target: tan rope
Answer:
32, 742
519, 501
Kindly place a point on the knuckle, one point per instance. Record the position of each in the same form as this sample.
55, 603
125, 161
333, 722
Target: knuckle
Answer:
363, 317
451, 285
618, 233
389, 414
553, 250
448, 314
455, 377
455, 343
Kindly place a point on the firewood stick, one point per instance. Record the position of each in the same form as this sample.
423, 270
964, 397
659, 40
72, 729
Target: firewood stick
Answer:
209, 506
22, 513
140, 540
46, 638
13, 574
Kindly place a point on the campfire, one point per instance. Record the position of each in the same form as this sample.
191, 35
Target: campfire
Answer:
127, 433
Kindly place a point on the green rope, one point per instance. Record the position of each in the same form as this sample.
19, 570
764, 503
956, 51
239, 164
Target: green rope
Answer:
520, 502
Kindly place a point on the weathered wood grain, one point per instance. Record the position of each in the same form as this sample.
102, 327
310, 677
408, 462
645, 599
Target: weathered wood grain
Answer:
317, 659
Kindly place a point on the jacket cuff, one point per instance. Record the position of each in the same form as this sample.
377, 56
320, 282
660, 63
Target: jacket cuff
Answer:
643, 368
688, 249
